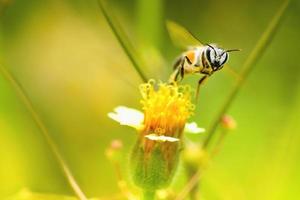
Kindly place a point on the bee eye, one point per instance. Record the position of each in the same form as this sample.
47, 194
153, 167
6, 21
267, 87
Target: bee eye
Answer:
208, 54
212, 54
224, 58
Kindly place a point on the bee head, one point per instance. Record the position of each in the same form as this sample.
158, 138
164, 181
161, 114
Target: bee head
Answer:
217, 57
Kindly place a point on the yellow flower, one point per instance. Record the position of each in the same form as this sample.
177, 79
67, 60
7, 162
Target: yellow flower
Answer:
135, 119
166, 108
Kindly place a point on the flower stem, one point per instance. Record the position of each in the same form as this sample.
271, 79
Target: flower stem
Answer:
39, 123
219, 143
248, 66
192, 183
123, 39
149, 195
123, 187
194, 193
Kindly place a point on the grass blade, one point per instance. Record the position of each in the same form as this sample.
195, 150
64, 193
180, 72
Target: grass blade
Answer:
248, 66
39, 123
123, 39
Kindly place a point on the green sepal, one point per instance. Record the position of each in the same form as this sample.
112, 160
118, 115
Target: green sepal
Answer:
152, 170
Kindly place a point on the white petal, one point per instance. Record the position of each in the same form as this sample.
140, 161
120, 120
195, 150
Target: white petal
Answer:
193, 128
127, 116
161, 138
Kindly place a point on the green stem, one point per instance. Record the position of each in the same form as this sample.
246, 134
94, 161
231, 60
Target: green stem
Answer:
248, 67
149, 195
123, 39
194, 193
39, 123
254, 56
219, 143
192, 183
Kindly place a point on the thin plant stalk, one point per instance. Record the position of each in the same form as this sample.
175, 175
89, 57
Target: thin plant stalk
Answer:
189, 186
39, 123
219, 144
123, 187
193, 193
248, 67
123, 39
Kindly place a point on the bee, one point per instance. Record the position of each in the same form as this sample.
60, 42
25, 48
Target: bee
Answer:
198, 59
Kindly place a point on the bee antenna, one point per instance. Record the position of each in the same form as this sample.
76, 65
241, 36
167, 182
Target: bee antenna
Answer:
230, 50
212, 48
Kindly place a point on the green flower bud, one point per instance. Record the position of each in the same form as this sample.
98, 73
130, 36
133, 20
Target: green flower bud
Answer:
154, 169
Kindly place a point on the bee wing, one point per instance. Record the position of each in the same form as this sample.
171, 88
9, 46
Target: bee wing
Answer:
180, 36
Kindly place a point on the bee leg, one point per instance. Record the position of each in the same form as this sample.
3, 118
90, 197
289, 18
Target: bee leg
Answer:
182, 72
181, 69
200, 82
176, 67
177, 62
182, 66
173, 77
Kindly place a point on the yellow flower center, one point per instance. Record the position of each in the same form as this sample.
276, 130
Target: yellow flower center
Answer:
166, 108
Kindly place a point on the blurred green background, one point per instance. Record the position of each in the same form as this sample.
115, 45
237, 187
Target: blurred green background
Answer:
67, 59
